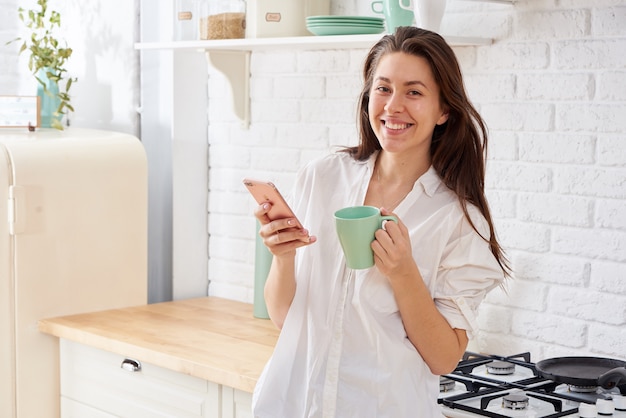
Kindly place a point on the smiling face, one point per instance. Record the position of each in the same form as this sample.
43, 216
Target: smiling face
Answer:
404, 105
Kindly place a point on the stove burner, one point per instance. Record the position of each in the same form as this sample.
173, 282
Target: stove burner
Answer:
500, 367
515, 401
446, 384
582, 389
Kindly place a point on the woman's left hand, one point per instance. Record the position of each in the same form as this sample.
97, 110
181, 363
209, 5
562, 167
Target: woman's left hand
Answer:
392, 248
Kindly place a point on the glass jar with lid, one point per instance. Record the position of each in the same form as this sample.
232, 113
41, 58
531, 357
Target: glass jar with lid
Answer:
222, 19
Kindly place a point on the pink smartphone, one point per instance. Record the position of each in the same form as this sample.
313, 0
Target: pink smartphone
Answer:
265, 191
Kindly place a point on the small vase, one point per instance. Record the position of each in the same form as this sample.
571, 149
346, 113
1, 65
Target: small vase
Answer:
262, 262
49, 99
429, 13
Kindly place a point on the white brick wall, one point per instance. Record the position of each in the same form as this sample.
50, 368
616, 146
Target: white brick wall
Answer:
552, 89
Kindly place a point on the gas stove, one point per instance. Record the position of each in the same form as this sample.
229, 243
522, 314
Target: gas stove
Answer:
497, 386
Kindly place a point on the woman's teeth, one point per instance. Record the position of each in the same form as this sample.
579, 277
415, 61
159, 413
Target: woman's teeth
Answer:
396, 125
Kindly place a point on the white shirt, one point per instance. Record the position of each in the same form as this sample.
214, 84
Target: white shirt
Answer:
343, 351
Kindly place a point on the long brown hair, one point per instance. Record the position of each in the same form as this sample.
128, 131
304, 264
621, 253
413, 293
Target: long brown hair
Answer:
459, 146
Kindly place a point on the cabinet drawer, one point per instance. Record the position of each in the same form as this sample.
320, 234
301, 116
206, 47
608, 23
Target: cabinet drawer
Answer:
95, 379
75, 409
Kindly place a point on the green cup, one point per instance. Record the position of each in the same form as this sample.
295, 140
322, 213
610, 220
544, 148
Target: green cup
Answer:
356, 226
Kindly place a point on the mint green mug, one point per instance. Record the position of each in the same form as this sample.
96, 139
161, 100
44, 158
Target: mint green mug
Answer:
356, 226
396, 13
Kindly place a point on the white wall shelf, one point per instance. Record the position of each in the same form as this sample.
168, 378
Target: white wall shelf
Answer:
295, 42
232, 56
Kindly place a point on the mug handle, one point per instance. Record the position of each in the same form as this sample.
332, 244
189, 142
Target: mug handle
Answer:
409, 7
374, 3
383, 219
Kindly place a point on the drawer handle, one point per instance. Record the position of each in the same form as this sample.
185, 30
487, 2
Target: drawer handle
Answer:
131, 365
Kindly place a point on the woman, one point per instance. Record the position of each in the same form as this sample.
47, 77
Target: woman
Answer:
371, 343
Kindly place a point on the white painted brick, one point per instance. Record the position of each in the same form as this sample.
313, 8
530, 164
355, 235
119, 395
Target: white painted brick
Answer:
261, 86
329, 111
495, 319
520, 56
357, 59
507, 344
229, 180
502, 204
492, 25
576, 4
551, 268
520, 177
550, 208
343, 87
611, 214
302, 136
222, 110
608, 340
225, 155
343, 135
275, 111
274, 62
555, 86
490, 87
591, 243
240, 274
524, 236
611, 86
598, 182
591, 117
258, 135
608, 277
609, 21
557, 24
226, 225
327, 61
474, 6
557, 148
587, 305
228, 291
234, 204
502, 145
313, 154
466, 56
231, 249
590, 54
218, 84
279, 159
297, 87
549, 328
552, 351
519, 116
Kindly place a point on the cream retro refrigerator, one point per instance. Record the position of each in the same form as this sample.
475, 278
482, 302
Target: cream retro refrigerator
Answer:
73, 239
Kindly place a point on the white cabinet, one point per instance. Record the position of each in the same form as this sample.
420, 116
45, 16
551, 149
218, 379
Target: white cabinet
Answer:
236, 403
94, 385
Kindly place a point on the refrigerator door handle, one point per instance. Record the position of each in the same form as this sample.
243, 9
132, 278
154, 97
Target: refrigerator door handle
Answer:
16, 211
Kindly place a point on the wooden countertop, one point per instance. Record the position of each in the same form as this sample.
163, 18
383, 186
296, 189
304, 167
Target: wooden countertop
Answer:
211, 338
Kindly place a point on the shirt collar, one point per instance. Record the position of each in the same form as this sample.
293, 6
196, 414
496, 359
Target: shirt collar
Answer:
430, 181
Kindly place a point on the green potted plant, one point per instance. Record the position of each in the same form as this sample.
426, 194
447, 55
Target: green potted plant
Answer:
47, 62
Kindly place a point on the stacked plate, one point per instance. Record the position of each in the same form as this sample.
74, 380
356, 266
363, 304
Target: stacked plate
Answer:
344, 25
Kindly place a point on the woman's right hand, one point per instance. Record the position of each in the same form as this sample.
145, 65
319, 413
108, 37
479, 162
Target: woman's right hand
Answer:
281, 236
